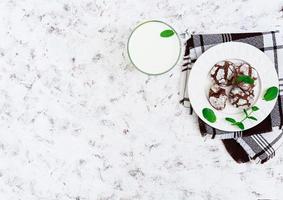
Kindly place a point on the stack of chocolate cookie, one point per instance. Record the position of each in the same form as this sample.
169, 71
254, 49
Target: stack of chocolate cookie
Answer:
233, 82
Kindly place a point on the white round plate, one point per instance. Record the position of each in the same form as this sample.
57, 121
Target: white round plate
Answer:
152, 53
199, 83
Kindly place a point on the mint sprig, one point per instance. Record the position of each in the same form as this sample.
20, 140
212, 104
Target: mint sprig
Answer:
167, 33
248, 115
245, 79
271, 93
209, 115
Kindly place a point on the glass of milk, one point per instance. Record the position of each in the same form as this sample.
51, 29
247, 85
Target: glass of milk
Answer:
154, 47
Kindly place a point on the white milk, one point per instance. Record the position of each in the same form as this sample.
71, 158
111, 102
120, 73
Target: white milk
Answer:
151, 53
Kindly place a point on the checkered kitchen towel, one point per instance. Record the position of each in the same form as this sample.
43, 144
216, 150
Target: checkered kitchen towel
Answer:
260, 142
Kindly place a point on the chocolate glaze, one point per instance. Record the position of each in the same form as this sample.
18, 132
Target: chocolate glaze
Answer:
217, 97
226, 67
241, 98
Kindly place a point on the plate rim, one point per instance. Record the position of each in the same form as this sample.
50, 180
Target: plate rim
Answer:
228, 45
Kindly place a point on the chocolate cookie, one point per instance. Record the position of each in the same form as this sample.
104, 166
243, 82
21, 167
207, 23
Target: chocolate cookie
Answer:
217, 97
223, 73
241, 98
247, 70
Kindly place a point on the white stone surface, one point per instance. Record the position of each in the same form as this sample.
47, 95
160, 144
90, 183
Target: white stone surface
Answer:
78, 122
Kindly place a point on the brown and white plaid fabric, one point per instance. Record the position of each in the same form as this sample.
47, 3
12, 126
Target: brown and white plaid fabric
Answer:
259, 142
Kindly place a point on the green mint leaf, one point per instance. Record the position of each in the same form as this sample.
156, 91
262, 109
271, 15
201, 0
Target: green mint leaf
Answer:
167, 33
246, 113
271, 93
209, 115
229, 119
245, 79
253, 118
255, 108
240, 125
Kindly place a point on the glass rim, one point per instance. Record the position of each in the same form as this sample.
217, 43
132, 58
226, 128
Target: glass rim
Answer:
180, 47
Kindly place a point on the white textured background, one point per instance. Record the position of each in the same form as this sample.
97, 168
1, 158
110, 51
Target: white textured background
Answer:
78, 122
